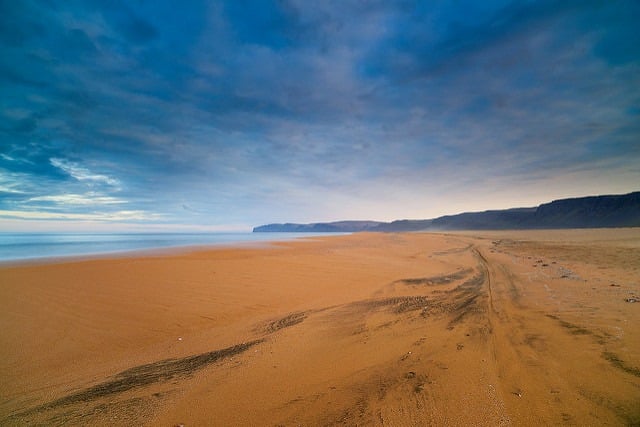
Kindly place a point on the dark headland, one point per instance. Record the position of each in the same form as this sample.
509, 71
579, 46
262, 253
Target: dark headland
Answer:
584, 212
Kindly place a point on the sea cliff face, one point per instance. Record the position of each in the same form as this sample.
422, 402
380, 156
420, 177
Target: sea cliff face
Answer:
584, 212
591, 212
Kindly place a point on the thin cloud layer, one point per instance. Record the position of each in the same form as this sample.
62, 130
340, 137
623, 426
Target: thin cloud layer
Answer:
216, 113
82, 174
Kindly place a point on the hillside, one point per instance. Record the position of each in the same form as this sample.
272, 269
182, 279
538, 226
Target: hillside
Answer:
321, 227
584, 212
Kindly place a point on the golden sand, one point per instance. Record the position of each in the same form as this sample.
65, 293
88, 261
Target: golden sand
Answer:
483, 328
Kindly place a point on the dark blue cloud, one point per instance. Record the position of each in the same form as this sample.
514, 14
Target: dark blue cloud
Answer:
256, 111
271, 23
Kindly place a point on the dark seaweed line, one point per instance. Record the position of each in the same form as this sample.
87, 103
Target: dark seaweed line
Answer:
464, 304
286, 322
466, 294
611, 357
573, 329
400, 304
436, 280
620, 364
144, 375
411, 303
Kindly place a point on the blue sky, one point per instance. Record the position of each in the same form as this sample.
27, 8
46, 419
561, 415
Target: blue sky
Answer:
221, 115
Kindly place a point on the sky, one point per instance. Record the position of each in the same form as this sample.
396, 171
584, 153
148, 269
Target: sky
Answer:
223, 115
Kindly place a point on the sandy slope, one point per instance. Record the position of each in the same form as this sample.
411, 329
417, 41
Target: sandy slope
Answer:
491, 328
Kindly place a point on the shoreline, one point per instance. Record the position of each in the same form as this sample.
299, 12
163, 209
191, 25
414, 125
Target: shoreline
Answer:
157, 251
555, 234
134, 254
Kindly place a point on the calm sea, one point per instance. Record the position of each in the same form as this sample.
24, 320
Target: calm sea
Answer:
26, 246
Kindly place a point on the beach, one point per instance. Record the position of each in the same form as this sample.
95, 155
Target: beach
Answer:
403, 329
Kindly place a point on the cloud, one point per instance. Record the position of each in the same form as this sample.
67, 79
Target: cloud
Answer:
291, 108
8, 158
82, 174
77, 199
118, 216
7, 189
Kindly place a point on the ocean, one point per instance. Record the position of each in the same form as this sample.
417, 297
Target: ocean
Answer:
30, 246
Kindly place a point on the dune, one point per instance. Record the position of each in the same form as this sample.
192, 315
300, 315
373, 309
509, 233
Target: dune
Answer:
462, 328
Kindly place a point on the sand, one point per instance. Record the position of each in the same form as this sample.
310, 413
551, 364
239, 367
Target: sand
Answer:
476, 328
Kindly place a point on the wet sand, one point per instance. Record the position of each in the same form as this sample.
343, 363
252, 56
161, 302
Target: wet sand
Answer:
466, 328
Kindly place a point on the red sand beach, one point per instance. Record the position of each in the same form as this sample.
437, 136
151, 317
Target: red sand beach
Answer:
468, 328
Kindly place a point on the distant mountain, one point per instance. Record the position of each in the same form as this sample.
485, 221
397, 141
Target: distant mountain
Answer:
589, 212
320, 227
584, 212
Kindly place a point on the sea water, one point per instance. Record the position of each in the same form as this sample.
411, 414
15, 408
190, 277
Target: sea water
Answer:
28, 246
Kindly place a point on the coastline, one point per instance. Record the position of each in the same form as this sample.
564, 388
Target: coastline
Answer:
456, 327
138, 245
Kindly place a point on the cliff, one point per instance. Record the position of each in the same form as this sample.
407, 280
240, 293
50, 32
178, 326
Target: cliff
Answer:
584, 212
